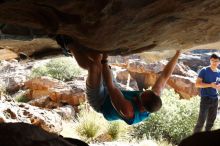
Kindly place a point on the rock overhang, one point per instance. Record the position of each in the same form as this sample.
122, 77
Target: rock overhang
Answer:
119, 26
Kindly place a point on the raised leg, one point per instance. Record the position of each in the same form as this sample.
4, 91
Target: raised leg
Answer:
91, 61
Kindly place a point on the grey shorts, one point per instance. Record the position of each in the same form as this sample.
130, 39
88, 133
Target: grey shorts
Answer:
97, 96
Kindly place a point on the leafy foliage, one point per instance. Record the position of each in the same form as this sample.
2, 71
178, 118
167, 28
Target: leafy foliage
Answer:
173, 122
62, 68
22, 98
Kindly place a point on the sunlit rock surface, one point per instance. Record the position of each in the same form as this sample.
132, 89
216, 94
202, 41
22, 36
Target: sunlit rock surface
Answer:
58, 91
182, 80
21, 112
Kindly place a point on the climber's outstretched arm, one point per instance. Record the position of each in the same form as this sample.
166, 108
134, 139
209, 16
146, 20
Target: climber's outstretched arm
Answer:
167, 72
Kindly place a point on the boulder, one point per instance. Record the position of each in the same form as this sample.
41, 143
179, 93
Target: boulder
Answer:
58, 91
45, 102
183, 85
13, 75
49, 120
123, 78
120, 27
195, 61
208, 138
67, 111
7, 54
23, 134
21, 49
182, 79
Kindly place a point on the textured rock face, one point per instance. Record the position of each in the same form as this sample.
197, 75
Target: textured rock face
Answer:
7, 54
57, 90
36, 48
120, 26
124, 79
196, 61
20, 112
13, 74
182, 79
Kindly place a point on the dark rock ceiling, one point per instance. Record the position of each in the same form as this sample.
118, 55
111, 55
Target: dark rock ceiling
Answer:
118, 26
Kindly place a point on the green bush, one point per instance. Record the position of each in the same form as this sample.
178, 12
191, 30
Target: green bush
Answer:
39, 71
173, 122
89, 125
22, 98
62, 68
114, 130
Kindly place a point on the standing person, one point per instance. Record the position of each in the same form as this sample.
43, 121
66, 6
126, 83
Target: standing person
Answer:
207, 81
104, 95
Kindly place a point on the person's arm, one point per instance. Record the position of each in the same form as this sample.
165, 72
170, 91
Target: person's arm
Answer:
122, 105
168, 70
200, 84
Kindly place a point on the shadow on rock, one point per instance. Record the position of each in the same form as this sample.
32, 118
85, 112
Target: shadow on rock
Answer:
210, 138
23, 134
